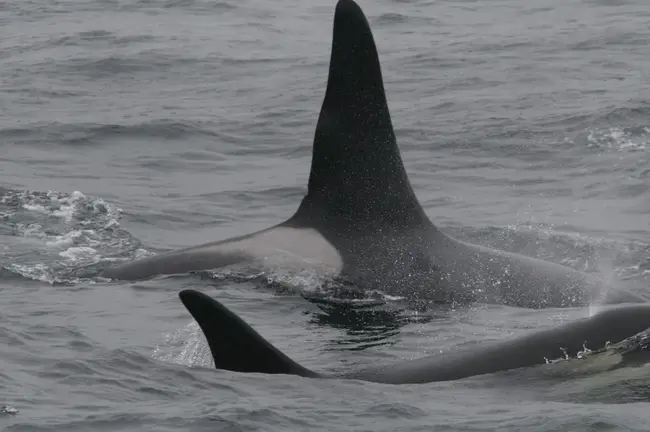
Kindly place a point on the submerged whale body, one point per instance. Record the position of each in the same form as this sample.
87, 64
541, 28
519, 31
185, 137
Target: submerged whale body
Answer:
361, 220
237, 347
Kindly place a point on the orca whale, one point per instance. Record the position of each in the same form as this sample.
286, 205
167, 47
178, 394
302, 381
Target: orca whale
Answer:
237, 347
360, 219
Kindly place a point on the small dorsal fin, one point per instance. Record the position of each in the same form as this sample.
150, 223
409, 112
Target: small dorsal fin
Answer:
235, 346
357, 171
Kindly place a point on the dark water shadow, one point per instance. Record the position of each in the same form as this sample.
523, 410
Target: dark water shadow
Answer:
368, 319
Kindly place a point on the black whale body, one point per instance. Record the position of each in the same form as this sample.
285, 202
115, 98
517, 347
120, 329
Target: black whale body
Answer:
235, 346
361, 220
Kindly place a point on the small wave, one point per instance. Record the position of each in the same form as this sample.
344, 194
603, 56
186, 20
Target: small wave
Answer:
186, 346
121, 373
110, 67
285, 281
627, 139
67, 207
391, 18
71, 231
195, 6
84, 133
93, 37
7, 409
609, 40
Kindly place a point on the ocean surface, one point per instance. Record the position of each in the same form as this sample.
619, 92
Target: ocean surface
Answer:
132, 127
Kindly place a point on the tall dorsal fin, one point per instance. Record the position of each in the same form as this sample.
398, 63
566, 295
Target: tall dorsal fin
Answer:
357, 171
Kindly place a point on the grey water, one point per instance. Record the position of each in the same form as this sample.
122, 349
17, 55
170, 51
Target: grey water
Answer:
132, 127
